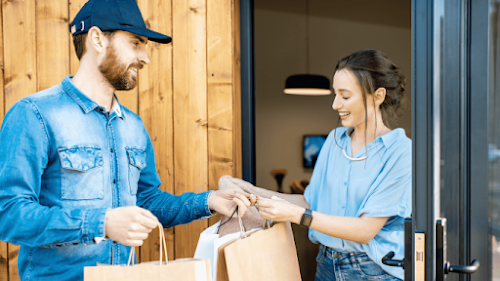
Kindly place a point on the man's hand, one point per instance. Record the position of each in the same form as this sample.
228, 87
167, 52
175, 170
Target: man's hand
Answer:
229, 195
129, 226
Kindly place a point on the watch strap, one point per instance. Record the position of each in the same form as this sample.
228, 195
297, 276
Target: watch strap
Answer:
306, 219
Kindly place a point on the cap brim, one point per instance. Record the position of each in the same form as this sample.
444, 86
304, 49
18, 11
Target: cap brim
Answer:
152, 35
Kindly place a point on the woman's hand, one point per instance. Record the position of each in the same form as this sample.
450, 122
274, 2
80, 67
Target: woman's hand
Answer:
277, 209
228, 197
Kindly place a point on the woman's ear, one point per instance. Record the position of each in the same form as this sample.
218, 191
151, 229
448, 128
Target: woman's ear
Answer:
379, 96
97, 40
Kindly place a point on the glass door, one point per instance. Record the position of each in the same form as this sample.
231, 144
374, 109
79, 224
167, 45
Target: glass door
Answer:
452, 196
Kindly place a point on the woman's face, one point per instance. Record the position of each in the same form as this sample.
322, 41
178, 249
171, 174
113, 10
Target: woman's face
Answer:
349, 99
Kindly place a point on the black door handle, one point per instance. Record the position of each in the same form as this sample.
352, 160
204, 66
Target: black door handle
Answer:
387, 260
443, 266
405, 263
461, 268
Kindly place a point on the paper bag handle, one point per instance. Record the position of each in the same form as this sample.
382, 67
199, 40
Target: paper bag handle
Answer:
163, 244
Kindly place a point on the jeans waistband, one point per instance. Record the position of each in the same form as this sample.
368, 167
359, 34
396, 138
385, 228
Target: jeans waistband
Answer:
340, 257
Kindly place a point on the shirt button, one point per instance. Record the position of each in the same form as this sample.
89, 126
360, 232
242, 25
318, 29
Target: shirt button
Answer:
345, 183
114, 181
112, 150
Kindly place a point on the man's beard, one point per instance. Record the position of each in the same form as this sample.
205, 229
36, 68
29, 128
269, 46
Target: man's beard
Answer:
117, 73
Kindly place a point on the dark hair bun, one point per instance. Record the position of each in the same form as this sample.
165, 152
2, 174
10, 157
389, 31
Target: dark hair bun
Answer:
374, 70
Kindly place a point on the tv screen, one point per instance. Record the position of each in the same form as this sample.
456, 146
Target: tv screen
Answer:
311, 146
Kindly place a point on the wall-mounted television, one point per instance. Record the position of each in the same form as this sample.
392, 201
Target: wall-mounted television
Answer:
311, 146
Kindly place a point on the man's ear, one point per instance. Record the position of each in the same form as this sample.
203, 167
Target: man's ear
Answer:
379, 96
96, 40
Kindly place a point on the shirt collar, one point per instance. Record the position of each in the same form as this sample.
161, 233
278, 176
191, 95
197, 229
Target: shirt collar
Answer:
78, 96
387, 139
85, 102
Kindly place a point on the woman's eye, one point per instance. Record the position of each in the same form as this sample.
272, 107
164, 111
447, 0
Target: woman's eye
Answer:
346, 98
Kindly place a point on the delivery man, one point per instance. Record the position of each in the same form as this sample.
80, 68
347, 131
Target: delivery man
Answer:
78, 181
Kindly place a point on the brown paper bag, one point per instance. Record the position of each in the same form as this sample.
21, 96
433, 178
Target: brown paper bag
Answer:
181, 269
268, 254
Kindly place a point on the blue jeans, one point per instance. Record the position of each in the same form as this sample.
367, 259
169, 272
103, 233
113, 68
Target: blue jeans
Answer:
343, 266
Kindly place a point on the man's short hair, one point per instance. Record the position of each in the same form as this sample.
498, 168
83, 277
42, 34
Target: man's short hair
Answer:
79, 42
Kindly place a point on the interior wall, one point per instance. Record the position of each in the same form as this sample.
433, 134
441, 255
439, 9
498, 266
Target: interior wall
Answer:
336, 29
283, 46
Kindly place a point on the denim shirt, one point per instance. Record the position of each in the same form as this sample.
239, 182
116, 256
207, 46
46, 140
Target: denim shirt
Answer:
379, 186
64, 161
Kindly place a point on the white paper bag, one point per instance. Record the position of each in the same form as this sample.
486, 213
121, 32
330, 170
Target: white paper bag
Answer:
209, 243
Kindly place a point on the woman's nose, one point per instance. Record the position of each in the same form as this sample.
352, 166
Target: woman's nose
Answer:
336, 103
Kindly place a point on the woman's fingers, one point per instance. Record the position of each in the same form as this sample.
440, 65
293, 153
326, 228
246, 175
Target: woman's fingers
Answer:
262, 202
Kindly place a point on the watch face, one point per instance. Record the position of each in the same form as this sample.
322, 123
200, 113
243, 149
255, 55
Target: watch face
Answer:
306, 218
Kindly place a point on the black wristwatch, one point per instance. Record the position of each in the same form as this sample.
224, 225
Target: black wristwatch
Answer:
307, 218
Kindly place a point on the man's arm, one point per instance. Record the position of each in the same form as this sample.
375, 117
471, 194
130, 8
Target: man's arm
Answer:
24, 155
181, 209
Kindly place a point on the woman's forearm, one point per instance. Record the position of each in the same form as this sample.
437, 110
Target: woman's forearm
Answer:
361, 230
358, 229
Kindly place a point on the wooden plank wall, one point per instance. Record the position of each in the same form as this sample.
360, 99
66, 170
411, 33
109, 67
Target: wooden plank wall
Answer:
188, 96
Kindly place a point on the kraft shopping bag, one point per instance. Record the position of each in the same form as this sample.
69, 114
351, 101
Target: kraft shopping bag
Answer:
181, 269
267, 254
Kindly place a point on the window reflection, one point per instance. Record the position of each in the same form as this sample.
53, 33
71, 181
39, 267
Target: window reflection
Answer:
494, 138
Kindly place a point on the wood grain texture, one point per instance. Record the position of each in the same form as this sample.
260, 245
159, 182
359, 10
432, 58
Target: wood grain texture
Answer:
4, 248
220, 92
13, 271
20, 75
19, 51
2, 93
4, 262
52, 53
155, 108
237, 153
74, 8
190, 111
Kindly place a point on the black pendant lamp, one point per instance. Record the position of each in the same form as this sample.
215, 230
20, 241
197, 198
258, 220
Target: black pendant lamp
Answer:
307, 84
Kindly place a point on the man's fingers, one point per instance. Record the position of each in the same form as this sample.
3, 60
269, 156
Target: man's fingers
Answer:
133, 243
138, 235
148, 214
138, 227
148, 222
242, 208
243, 199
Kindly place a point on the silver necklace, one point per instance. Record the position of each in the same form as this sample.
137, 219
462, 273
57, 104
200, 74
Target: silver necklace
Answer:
354, 159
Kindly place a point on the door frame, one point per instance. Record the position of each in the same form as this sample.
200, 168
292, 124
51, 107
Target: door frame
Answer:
471, 106
474, 97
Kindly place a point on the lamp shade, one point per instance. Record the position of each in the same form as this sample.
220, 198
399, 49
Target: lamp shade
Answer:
308, 85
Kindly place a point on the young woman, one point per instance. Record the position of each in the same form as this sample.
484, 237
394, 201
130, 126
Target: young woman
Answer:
360, 190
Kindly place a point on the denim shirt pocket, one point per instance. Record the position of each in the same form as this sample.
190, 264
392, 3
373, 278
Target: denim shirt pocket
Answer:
82, 173
137, 161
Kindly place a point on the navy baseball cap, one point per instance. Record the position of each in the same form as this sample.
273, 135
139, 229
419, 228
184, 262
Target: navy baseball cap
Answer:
111, 15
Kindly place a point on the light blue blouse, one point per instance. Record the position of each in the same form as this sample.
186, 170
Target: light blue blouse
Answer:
379, 186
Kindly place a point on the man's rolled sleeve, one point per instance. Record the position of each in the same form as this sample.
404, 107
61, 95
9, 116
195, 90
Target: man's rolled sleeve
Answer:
201, 205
